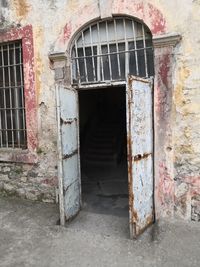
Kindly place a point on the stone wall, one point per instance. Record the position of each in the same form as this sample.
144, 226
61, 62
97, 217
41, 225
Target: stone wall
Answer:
28, 181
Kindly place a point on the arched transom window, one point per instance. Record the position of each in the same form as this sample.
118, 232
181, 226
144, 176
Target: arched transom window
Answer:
110, 50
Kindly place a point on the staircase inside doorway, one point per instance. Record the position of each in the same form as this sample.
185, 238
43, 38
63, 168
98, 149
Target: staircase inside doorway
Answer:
103, 151
102, 146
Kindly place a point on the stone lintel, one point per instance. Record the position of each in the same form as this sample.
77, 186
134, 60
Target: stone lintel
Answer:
166, 40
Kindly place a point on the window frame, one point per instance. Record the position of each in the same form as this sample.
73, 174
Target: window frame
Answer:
28, 155
12, 124
76, 78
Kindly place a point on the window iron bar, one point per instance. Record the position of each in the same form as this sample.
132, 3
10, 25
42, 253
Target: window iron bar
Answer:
12, 111
10, 65
77, 61
22, 94
108, 49
100, 62
105, 63
19, 108
92, 51
4, 100
11, 87
117, 49
10, 94
84, 54
114, 53
16, 97
145, 52
14, 129
135, 50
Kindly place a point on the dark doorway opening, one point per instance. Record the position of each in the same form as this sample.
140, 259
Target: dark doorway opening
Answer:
104, 174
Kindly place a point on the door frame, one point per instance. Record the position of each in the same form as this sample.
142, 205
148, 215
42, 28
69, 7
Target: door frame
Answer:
128, 156
166, 47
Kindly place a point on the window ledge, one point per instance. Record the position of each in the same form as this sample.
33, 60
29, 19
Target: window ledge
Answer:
18, 155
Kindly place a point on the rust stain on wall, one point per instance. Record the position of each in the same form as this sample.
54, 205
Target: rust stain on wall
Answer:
21, 7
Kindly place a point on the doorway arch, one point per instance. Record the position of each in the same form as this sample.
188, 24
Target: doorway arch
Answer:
123, 57
110, 50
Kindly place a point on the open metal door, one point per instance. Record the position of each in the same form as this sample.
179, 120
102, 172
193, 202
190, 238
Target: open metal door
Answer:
140, 153
68, 150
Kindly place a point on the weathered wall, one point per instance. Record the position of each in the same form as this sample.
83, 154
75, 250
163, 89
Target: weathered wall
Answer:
177, 94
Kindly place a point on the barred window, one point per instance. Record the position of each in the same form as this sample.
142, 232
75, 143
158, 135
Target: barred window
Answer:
110, 50
12, 108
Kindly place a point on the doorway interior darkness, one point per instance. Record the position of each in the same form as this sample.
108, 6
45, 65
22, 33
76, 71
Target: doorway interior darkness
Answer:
104, 175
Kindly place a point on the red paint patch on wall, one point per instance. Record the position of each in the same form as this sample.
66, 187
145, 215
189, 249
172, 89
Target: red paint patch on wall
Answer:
158, 22
52, 181
194, 191
165, 189
164, 67
163, 84
140, 7
145, 12
25, 34
192, 180
67, 32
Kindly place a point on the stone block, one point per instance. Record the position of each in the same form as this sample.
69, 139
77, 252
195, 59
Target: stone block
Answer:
4, 177
181, 190
9, 188
195, 213
21, 192
23, 179
31, 195
6, 169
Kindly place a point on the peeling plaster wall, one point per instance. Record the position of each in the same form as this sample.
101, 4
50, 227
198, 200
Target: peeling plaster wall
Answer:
177, 92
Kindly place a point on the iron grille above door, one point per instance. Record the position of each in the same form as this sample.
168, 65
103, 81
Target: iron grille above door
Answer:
110, 50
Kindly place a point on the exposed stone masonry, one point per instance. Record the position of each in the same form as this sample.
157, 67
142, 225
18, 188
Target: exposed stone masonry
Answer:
25, 181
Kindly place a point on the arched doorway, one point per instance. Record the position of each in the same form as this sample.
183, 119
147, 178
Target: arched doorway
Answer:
117, 54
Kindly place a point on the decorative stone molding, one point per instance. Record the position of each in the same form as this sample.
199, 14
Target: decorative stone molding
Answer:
166, 40
57, 56
58, 59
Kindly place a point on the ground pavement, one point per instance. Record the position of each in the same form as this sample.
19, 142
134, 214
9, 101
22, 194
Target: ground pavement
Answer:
30, 236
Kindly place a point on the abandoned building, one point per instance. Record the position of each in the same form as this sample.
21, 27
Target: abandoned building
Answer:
100, 104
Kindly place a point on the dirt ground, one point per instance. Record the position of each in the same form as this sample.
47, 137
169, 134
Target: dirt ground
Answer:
30, 236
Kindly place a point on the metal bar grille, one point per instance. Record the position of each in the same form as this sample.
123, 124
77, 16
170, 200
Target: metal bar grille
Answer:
12, 108
107, 51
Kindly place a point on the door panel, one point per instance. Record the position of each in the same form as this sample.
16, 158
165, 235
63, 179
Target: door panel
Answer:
140, 153
69, 136
70, 165
72, 200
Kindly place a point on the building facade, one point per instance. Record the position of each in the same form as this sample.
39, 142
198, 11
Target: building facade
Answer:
36, 41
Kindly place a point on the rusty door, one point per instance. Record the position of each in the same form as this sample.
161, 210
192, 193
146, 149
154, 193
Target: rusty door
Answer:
140, 153
68, 150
